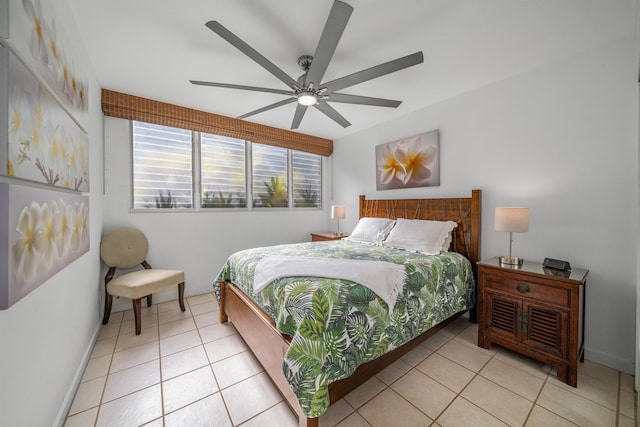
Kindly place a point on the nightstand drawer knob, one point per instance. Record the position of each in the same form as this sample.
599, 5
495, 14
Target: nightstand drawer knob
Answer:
523, 288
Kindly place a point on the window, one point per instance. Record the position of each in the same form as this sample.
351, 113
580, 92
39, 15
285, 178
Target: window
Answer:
269, 176
229, 173
162, 172
223, 172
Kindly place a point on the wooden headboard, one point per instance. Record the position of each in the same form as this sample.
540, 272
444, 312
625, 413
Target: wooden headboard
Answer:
463, 210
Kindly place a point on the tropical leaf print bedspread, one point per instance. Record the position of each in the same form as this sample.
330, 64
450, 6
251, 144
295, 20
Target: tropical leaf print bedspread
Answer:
337, 325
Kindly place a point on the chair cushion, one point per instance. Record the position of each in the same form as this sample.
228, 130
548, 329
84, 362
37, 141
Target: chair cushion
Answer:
144, 282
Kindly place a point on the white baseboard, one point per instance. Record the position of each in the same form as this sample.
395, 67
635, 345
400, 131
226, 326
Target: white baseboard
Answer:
73, 387
626, 366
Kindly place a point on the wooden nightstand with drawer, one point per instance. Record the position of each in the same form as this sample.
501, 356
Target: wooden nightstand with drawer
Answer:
320, 237
535, 311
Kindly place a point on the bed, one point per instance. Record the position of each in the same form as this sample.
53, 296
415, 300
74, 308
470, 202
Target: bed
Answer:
303, 342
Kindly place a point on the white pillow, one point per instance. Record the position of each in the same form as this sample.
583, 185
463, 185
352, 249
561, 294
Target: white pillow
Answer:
425, 236
371, 230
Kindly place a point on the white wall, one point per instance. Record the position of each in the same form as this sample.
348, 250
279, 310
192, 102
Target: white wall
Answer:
560, 139
197, 242
46, 337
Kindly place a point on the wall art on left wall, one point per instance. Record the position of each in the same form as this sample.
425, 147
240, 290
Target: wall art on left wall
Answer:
44, 143
42, 232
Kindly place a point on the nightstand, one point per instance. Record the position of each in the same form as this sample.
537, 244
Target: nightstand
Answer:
535, 311
320, 237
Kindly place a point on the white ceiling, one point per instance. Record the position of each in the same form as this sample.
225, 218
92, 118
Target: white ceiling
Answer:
152, 48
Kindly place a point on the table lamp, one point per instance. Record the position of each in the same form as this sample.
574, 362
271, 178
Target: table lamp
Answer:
513, 220
338, 213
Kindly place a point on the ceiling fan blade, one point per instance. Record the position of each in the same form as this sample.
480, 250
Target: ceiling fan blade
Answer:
297, 117
333, 29
373, 72
268, 107
332, 114
365, 100
223, 32
232, 86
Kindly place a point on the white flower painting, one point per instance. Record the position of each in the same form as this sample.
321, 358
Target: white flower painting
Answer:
47, 230
45, 145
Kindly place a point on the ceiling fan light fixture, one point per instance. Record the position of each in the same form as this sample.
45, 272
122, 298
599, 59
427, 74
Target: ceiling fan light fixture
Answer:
307, 98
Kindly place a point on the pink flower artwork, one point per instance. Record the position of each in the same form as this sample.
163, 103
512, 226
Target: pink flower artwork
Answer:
410, 162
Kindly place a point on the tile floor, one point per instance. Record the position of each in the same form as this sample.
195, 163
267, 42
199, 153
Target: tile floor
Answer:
187, 369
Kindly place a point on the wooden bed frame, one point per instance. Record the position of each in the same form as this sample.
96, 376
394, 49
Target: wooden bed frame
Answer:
269, 345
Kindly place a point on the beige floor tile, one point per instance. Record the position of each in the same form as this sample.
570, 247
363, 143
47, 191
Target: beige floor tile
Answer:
279, 415
109, 330
626, 422
525, 363
335, 414
498, 401
158, 422
133, 409
183, 362
144, 310
202, 298
469, 336
627, 403
387, 408
131, 380
209, 411
225, 347
130, 339
173, 316
134, 356
97, 367
540, 417
88, 395
462, 413
353, 420
177, 327
428, 395
207, 319
179, 342
626, 382
236, 368
188, 388
418, 354
459, 324
512, 378
439, 339
446, 372
216, 331
471, 358
590, 388
103, 347
599, 372
173, 305
250, 397
148, 322
365, 392
394, 371
206, 307
575, 408
83, 419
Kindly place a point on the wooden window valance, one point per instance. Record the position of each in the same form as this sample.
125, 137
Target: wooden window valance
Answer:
130, 107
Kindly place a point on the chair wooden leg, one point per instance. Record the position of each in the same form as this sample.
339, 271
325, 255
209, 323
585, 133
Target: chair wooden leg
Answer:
137, 306
181, 296
149, 300
108, 300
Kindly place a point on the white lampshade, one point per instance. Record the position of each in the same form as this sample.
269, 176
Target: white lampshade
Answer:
338, 212
515, 220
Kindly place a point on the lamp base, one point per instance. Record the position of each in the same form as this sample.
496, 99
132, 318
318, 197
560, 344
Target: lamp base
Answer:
511, 261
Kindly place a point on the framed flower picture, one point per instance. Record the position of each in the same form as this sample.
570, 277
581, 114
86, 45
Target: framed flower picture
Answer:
408, 163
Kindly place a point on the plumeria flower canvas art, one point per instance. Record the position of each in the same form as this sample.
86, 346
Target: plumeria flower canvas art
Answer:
47, 230
410, 162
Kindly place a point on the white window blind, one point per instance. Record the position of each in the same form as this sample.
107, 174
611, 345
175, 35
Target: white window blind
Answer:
223, 172
270, 187
307, 179
162, 167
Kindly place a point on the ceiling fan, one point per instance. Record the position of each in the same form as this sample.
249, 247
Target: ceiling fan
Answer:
309, 89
